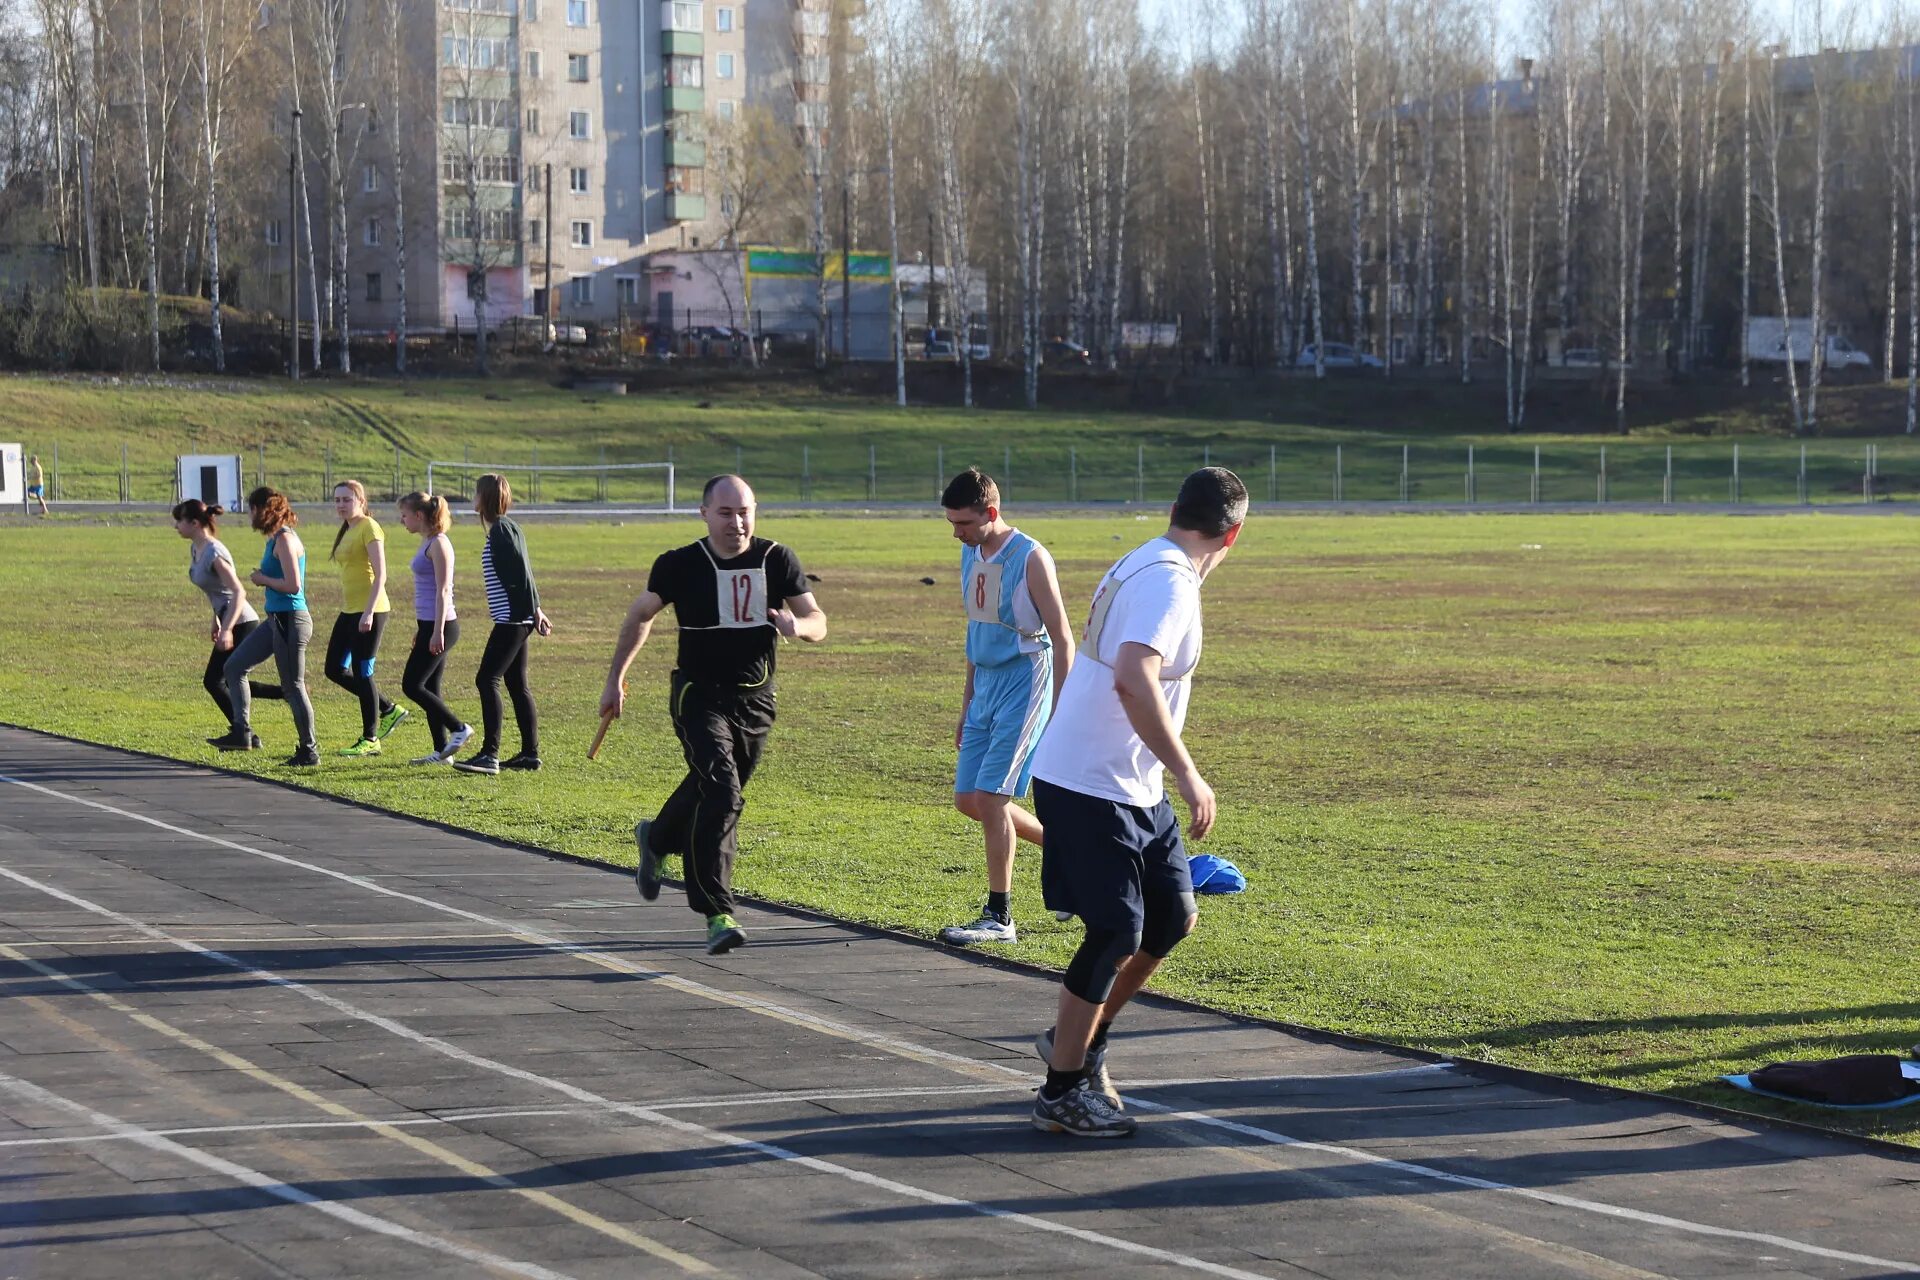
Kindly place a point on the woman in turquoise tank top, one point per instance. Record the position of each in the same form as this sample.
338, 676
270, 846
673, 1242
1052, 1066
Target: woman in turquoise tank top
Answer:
288, 629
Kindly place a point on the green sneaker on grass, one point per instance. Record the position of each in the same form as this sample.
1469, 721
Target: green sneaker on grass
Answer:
364, 747
390, 721
723, 934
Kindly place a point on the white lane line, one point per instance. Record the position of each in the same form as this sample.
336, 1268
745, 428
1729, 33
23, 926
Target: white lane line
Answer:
272, 1186
1529, 1193
706, 1102
688, 1128
284, 1126
908, 1049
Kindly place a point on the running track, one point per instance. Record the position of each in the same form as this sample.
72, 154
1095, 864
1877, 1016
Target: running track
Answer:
248, 1032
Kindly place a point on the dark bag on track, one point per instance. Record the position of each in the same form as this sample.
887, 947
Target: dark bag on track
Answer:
1856, 1080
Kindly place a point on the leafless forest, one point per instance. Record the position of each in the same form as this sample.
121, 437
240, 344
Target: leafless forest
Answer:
1620, 182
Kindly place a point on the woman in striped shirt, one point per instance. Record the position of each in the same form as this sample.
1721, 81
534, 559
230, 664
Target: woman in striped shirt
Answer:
514, 604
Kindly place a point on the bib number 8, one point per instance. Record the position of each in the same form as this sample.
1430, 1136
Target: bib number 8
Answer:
979, 590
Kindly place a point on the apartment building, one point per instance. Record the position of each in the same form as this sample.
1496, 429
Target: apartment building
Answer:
569, 132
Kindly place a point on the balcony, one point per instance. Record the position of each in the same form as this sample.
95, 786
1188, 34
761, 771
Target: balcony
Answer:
682, 207
681, 98
684, 153
684, 43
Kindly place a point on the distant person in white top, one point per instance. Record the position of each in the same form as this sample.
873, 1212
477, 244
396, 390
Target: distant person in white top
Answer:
1113, 855
1018, 653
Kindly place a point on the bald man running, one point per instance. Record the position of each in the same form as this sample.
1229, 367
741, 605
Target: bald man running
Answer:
734, 595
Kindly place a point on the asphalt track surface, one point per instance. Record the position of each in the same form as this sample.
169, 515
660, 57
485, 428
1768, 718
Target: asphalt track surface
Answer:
247, 1031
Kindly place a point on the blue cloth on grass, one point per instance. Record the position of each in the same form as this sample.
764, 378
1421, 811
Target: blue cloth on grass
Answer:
1215, 875
1909, 1069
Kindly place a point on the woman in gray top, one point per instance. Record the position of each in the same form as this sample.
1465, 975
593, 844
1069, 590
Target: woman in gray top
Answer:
210, 568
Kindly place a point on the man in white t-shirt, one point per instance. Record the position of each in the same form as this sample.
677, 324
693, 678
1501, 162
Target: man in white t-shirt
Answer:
1113, 852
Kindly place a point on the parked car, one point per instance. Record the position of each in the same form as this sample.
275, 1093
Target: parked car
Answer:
1589, 358
939, 345
1771, 340
546, 333
1060, 351
1339, 356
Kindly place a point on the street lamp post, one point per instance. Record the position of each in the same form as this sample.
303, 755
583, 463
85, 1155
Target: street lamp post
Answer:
293, 252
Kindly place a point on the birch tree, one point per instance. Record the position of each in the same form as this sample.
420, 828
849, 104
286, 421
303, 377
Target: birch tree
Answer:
219, 45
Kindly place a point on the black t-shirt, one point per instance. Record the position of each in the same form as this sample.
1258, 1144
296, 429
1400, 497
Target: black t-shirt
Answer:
737, 650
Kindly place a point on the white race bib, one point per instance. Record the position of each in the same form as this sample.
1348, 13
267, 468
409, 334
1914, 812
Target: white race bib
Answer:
742, 598
981, 591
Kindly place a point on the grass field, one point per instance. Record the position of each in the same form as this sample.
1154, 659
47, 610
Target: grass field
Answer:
1628, 798
800, 444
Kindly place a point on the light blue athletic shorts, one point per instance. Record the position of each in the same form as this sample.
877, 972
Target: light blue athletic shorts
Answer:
1010, 706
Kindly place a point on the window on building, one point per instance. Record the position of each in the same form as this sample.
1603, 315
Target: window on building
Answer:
723, 66
486, 113
373, 286
491, 224
533, 10
723, 20
536, 232
371, 234
533, 64
679, 15
576, 13
533, 181
724, 108
626, 290
684, 72
726, 206
455, 167
370, 178
579, 124
274, 232
580, 289
483, 53
582, 234
577, 181
533, 121
577, 67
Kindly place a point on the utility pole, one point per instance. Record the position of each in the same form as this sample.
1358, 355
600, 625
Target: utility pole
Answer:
293, 259
846, 271
546, 229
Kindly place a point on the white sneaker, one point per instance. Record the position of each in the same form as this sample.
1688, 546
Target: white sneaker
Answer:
432, 757
985, 929
454, 743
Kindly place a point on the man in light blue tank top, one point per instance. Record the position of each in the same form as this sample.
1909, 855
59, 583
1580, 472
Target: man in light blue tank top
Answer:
1019, 650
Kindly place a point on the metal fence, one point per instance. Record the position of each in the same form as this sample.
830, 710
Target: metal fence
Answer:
1092, 470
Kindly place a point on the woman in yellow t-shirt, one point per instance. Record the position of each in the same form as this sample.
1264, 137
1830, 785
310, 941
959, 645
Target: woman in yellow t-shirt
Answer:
360, 551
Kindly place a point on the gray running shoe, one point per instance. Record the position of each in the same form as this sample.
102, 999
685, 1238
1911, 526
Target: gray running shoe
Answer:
985, 929
1082, 1113
1097, 1078
646, 872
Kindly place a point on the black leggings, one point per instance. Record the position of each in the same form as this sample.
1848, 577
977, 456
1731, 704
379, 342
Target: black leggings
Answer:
505, 658
215, 679
351, 653
421, 680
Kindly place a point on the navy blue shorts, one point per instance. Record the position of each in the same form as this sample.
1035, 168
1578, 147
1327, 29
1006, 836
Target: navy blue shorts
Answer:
1110, 863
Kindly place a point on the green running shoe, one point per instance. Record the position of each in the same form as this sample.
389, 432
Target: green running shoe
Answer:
723, 934
364, 747
391, 721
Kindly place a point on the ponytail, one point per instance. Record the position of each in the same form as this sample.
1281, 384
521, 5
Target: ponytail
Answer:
431, 506
207, 517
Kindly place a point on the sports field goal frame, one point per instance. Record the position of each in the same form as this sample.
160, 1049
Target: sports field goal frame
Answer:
543, 468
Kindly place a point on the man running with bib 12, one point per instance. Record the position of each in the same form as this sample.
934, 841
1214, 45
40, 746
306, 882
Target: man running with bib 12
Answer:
1018, 653
1113, 855
735, 596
